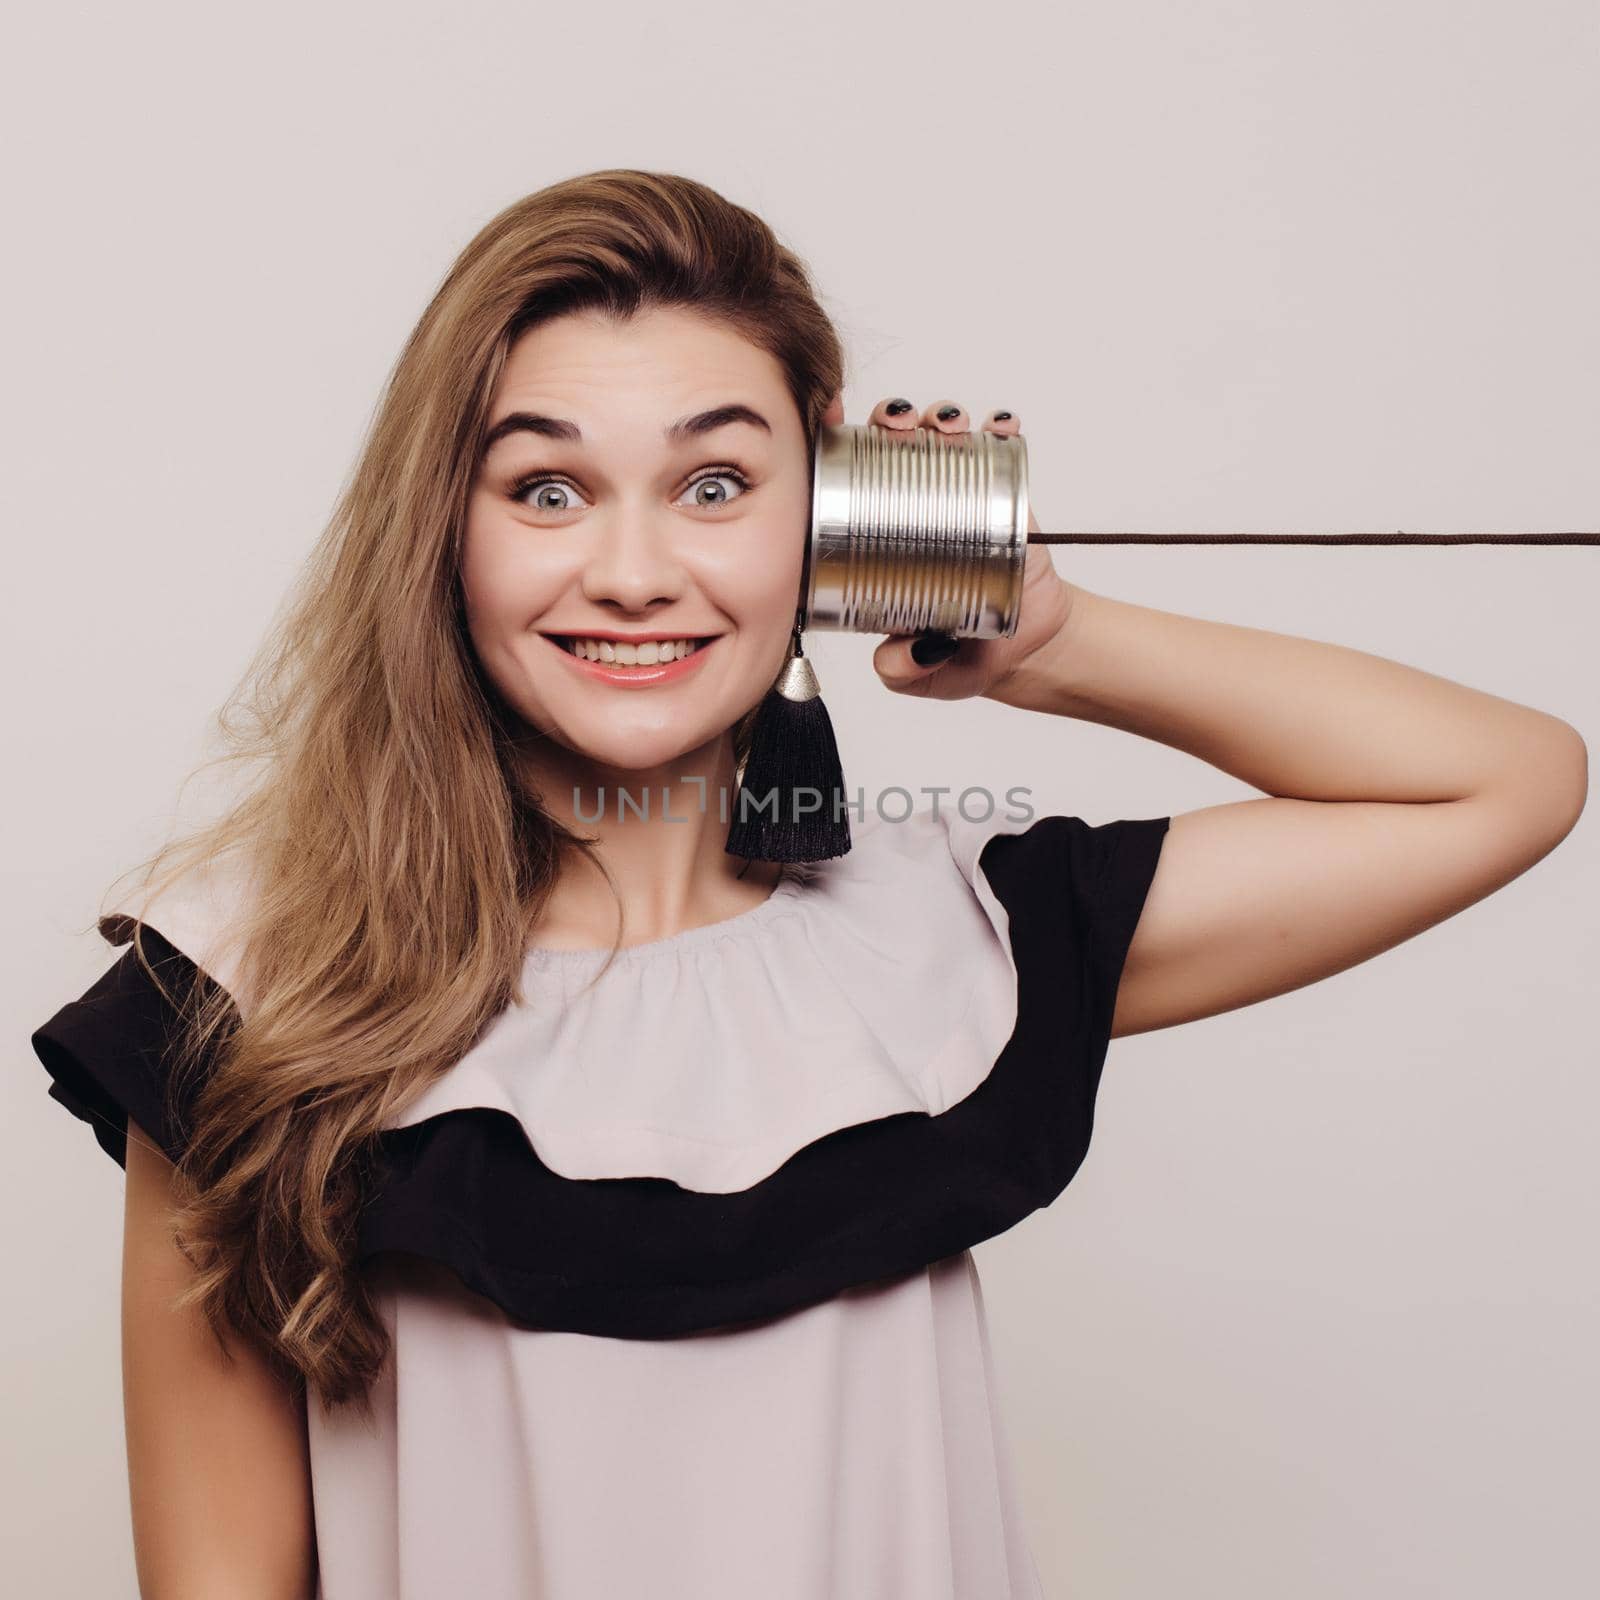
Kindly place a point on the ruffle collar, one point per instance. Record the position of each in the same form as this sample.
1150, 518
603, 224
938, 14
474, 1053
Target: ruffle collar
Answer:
862, 987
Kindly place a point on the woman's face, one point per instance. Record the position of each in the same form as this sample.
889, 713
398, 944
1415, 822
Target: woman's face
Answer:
621, 500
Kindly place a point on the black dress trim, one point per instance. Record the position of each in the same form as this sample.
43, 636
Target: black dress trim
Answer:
645, 1258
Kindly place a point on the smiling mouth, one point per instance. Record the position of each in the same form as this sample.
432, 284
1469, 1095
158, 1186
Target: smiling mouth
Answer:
623, 653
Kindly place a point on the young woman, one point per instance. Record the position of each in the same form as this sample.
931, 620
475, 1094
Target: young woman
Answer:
526, 1196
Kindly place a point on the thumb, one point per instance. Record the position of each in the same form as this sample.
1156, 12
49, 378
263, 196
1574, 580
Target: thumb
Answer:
904, 660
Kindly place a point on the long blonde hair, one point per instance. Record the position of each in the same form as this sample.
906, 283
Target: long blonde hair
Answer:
399, 865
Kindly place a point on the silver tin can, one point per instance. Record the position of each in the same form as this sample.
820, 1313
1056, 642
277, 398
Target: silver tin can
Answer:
914, 530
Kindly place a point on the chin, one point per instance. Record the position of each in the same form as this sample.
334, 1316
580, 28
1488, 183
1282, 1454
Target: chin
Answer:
652, 753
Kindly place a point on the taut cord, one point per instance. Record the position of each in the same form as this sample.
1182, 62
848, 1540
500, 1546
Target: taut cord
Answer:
1314, 538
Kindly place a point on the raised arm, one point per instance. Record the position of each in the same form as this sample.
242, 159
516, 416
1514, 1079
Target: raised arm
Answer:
1397, 797
218, 1469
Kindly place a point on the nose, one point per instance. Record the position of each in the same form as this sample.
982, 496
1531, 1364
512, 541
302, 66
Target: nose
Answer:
633, 564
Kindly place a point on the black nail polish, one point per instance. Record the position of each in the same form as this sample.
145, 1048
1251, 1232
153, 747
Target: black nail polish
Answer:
928, 648
898, 408
947, 412
1002, 416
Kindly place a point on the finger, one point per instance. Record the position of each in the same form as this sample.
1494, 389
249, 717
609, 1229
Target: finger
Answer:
895, 659
1002, 422
895, 412
945, 416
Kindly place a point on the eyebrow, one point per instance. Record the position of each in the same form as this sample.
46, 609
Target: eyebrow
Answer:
675, 432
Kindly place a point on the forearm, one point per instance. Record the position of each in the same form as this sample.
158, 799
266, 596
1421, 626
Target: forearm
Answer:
1290, 716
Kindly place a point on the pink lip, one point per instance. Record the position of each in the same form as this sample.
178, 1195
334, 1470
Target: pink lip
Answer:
634, 677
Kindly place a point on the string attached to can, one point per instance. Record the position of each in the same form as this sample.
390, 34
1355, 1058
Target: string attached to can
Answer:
1398, 537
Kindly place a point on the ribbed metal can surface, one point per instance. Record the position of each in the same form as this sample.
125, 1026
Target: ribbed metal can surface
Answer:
917, 529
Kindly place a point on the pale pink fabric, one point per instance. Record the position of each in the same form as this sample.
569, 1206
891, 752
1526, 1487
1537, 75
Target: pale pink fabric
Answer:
851, 1449
872, 984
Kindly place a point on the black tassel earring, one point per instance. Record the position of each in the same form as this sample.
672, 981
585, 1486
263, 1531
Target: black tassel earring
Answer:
789, 803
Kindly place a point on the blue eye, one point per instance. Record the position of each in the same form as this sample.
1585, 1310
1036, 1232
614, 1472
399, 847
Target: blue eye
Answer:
547, 487
719, 474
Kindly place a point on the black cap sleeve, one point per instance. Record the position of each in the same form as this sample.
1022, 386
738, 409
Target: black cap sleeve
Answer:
1074, 892
111, 1052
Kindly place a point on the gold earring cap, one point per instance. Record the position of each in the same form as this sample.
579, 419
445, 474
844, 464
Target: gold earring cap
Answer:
797, 681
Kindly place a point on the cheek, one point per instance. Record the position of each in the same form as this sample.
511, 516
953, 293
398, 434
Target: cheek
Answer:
766, 600
505, 578
506, 582
763, 590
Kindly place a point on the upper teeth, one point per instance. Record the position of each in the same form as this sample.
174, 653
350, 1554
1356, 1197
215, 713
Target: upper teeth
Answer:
633, 655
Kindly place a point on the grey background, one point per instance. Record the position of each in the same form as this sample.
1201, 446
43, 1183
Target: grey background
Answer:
1318, 1314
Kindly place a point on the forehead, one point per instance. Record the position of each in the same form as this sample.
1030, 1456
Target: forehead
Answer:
661, 359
